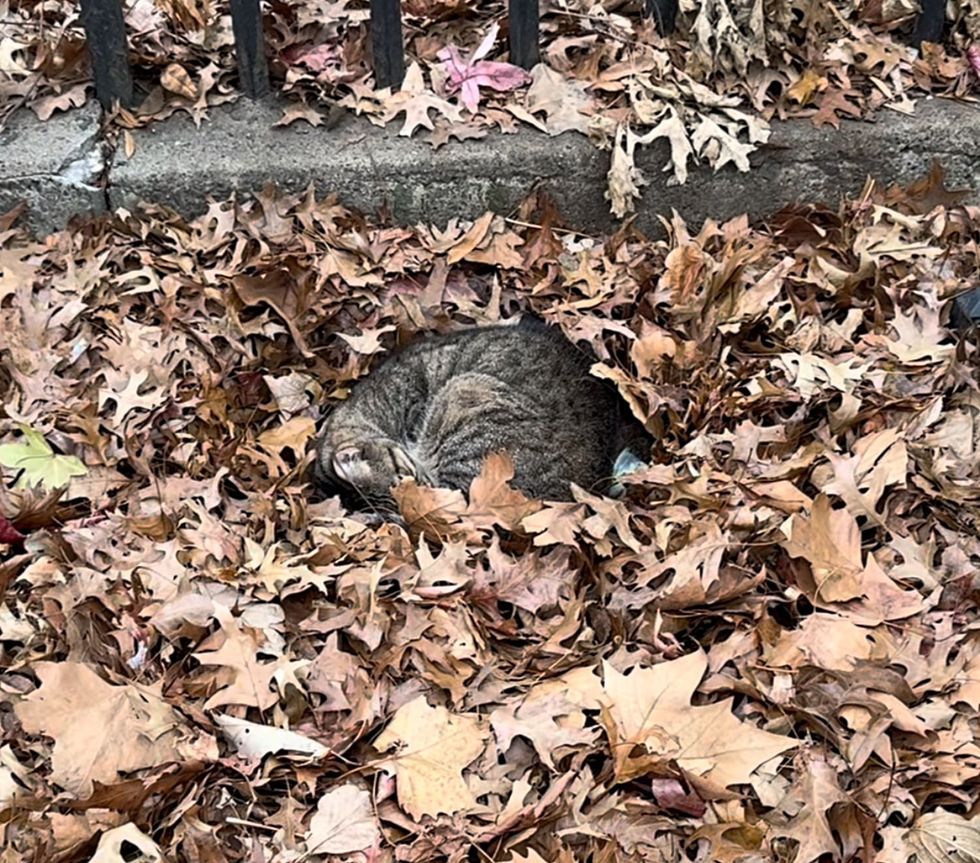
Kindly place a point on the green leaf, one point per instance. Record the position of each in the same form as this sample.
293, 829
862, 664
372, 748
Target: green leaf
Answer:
39, 465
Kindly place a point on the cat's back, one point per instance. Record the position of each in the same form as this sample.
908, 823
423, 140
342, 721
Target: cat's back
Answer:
527, 355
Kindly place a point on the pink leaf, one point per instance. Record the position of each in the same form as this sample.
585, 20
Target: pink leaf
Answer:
670, 794
973, 57
315, 59
468, 76
9, 535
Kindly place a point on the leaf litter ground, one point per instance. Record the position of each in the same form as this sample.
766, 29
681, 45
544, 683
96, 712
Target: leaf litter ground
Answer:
709, 90
767, 650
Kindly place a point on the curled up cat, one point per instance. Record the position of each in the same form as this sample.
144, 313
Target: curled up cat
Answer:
434, 410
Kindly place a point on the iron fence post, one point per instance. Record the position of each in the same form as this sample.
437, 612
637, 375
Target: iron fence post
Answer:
523, 18
253, 71
105, 34
386, 43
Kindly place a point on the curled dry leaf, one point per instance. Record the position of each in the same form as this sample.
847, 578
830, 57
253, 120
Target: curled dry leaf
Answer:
176, 79
253, 740
118, 845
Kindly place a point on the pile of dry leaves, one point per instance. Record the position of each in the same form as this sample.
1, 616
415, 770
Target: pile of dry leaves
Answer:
709, 90
768, 650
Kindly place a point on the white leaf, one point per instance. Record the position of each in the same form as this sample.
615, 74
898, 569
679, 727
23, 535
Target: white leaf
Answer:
344, 822
945, 837
111, 842
252, 740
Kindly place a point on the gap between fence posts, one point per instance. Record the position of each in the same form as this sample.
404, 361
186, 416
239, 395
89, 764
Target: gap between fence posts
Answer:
105, 37
253, 70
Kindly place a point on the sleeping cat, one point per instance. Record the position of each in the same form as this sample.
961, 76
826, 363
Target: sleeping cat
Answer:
436, 409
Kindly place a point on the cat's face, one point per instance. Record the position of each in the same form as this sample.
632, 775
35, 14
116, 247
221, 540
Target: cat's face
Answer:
368, 467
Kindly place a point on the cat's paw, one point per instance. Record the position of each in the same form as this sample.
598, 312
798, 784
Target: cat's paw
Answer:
627, 462
349, 465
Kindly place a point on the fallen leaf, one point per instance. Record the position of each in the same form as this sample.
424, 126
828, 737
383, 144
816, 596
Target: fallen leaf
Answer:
560, 99
942, 836
176, 79
651, 707
302, 112
468, 76
80, 710
434, 748
293, 434
253, 740
344, 822
37, 463
119, 844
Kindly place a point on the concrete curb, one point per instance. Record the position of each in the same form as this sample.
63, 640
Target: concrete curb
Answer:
239, 149
56, 167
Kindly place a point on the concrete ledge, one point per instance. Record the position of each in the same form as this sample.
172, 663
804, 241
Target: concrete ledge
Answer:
179, 165
56, 167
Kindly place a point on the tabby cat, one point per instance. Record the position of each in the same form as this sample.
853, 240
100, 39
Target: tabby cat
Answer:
434, 411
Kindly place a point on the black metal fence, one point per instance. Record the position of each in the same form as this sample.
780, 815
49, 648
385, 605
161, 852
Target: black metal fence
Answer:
106, 35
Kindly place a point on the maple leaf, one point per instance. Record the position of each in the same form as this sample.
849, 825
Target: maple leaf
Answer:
344, 822
467, 76
651, 707
817, 791
492, 500
434, 747
415, 101
831, 541
79, 710
37, 463
830, 641
250, 679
